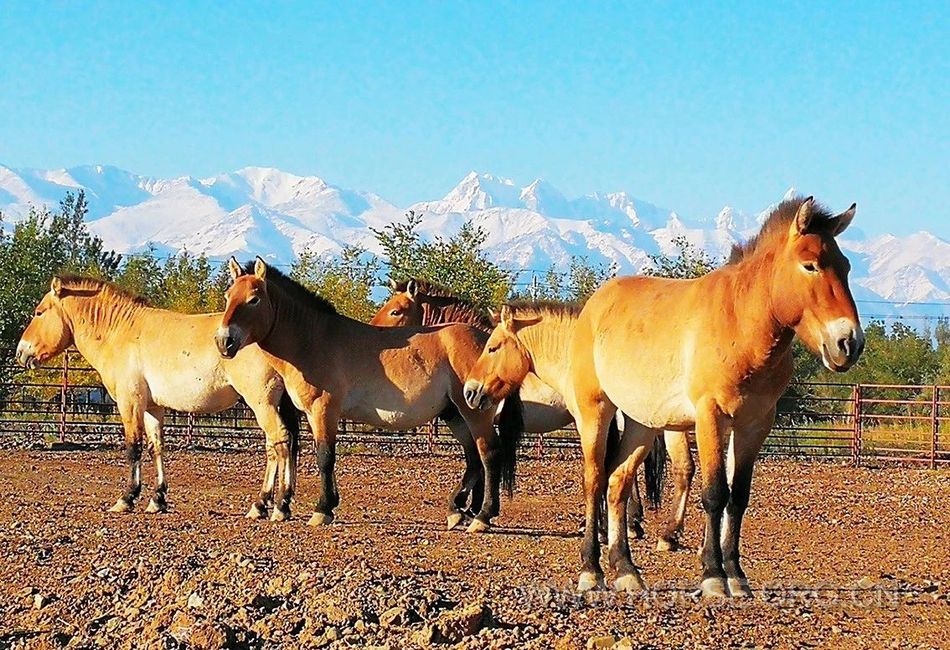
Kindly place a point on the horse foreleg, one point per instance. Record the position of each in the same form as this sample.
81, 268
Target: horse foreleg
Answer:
743, 450
324, 425
635, 511
677, 446
153, 428
711, 428
259, 508
134, 426
592, 424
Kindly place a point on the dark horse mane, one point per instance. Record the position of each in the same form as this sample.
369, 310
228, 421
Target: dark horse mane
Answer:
545, 307
455, 310
85, 283
776, 225
294, 289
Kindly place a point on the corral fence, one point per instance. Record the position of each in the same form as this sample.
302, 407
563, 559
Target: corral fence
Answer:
65, 403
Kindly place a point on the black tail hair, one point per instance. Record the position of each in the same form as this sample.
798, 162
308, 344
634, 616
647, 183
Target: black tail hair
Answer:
510, 430
290, 417
654, 470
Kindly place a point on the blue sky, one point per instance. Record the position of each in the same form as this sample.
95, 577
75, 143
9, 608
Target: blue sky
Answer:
691, 106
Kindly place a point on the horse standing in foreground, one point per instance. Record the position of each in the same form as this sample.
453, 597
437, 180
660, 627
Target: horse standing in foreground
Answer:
335, 367
711, 354
152, 359
419, 302
533, 337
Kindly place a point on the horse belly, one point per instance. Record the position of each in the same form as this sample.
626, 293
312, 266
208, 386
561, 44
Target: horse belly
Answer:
192, 393
394, 409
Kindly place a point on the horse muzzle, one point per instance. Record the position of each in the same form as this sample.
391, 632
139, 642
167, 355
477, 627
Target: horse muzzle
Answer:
26, 355
228, 344
842, 344
475, 395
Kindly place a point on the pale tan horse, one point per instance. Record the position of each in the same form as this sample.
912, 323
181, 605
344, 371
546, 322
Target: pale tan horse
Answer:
534, 337
417, 301
335, 367
711, 354
155, 359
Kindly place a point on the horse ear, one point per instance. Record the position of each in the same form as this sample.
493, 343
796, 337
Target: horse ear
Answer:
260, 268
412, 288
393, 284
505, 318
804, 216
518, 323
56, 286
234, 268
494, 316
843, 220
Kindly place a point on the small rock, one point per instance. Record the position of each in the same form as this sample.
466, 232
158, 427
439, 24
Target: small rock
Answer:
601, 642
394, 617
195, 601
866, 583
331, 634
39, 601
454, 625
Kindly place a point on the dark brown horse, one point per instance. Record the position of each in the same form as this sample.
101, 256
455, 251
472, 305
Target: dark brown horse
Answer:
335, 367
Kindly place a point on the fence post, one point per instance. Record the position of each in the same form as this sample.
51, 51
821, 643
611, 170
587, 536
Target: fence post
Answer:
934, 427
540, 446
433, 430
63, 387
856, 433
189, 430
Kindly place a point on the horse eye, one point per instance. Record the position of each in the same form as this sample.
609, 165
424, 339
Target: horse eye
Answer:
493, 349
253, 300
395, 312
38, 313
811, 267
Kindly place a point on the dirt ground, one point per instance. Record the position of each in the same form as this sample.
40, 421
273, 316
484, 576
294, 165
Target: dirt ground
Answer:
838, 557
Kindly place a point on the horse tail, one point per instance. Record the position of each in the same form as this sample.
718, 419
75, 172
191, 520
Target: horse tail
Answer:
654, 469
613, 441
510, 430
290, 418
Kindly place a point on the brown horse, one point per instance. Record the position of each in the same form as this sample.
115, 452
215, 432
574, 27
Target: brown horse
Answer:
336, 367
152, 359
420, 302
714, 354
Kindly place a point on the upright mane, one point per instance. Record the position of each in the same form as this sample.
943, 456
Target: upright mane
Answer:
554, 308
294, 289
776, 225
85, 285
456, 310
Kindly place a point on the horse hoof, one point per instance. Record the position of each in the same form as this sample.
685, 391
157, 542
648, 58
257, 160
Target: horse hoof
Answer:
454, 520
121, 506
664, 545
630, 583
154, 507
284, 515
478, 526
320, 519
739, 588
256, 512
589, 581
713, 588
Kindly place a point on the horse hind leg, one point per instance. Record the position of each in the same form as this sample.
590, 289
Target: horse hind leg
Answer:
677, 445
711, 428
471, 486
153, 428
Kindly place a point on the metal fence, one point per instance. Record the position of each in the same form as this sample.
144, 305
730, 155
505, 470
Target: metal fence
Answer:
65, 403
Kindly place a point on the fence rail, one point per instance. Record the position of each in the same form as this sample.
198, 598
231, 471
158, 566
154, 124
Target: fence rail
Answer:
65, 402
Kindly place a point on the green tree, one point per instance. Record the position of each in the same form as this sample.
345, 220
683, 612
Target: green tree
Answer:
576, 285
191, 285
346, 281
143, 275
459, 262
688, 262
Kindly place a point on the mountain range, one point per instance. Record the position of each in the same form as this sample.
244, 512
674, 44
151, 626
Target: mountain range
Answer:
530, 227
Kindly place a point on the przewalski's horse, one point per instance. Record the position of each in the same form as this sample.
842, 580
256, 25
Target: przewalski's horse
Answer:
419, 302
152, 359
335, 367
714, 354
534, 337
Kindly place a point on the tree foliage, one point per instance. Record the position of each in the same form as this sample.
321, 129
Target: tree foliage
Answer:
576, 285
458, 263
347, 282
688, 262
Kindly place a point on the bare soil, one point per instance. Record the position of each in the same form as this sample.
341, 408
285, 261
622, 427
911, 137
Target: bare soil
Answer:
838, 557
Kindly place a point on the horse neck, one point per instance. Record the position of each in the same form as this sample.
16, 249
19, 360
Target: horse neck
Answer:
764, 344
100, 321
294, 329
545, 343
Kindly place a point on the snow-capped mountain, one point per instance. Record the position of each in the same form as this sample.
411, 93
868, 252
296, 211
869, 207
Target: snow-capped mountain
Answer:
530, 227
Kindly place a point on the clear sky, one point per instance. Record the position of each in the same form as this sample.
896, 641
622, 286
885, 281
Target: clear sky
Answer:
691, 106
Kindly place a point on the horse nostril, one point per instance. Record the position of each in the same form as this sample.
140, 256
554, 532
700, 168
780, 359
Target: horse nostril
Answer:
845, 344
